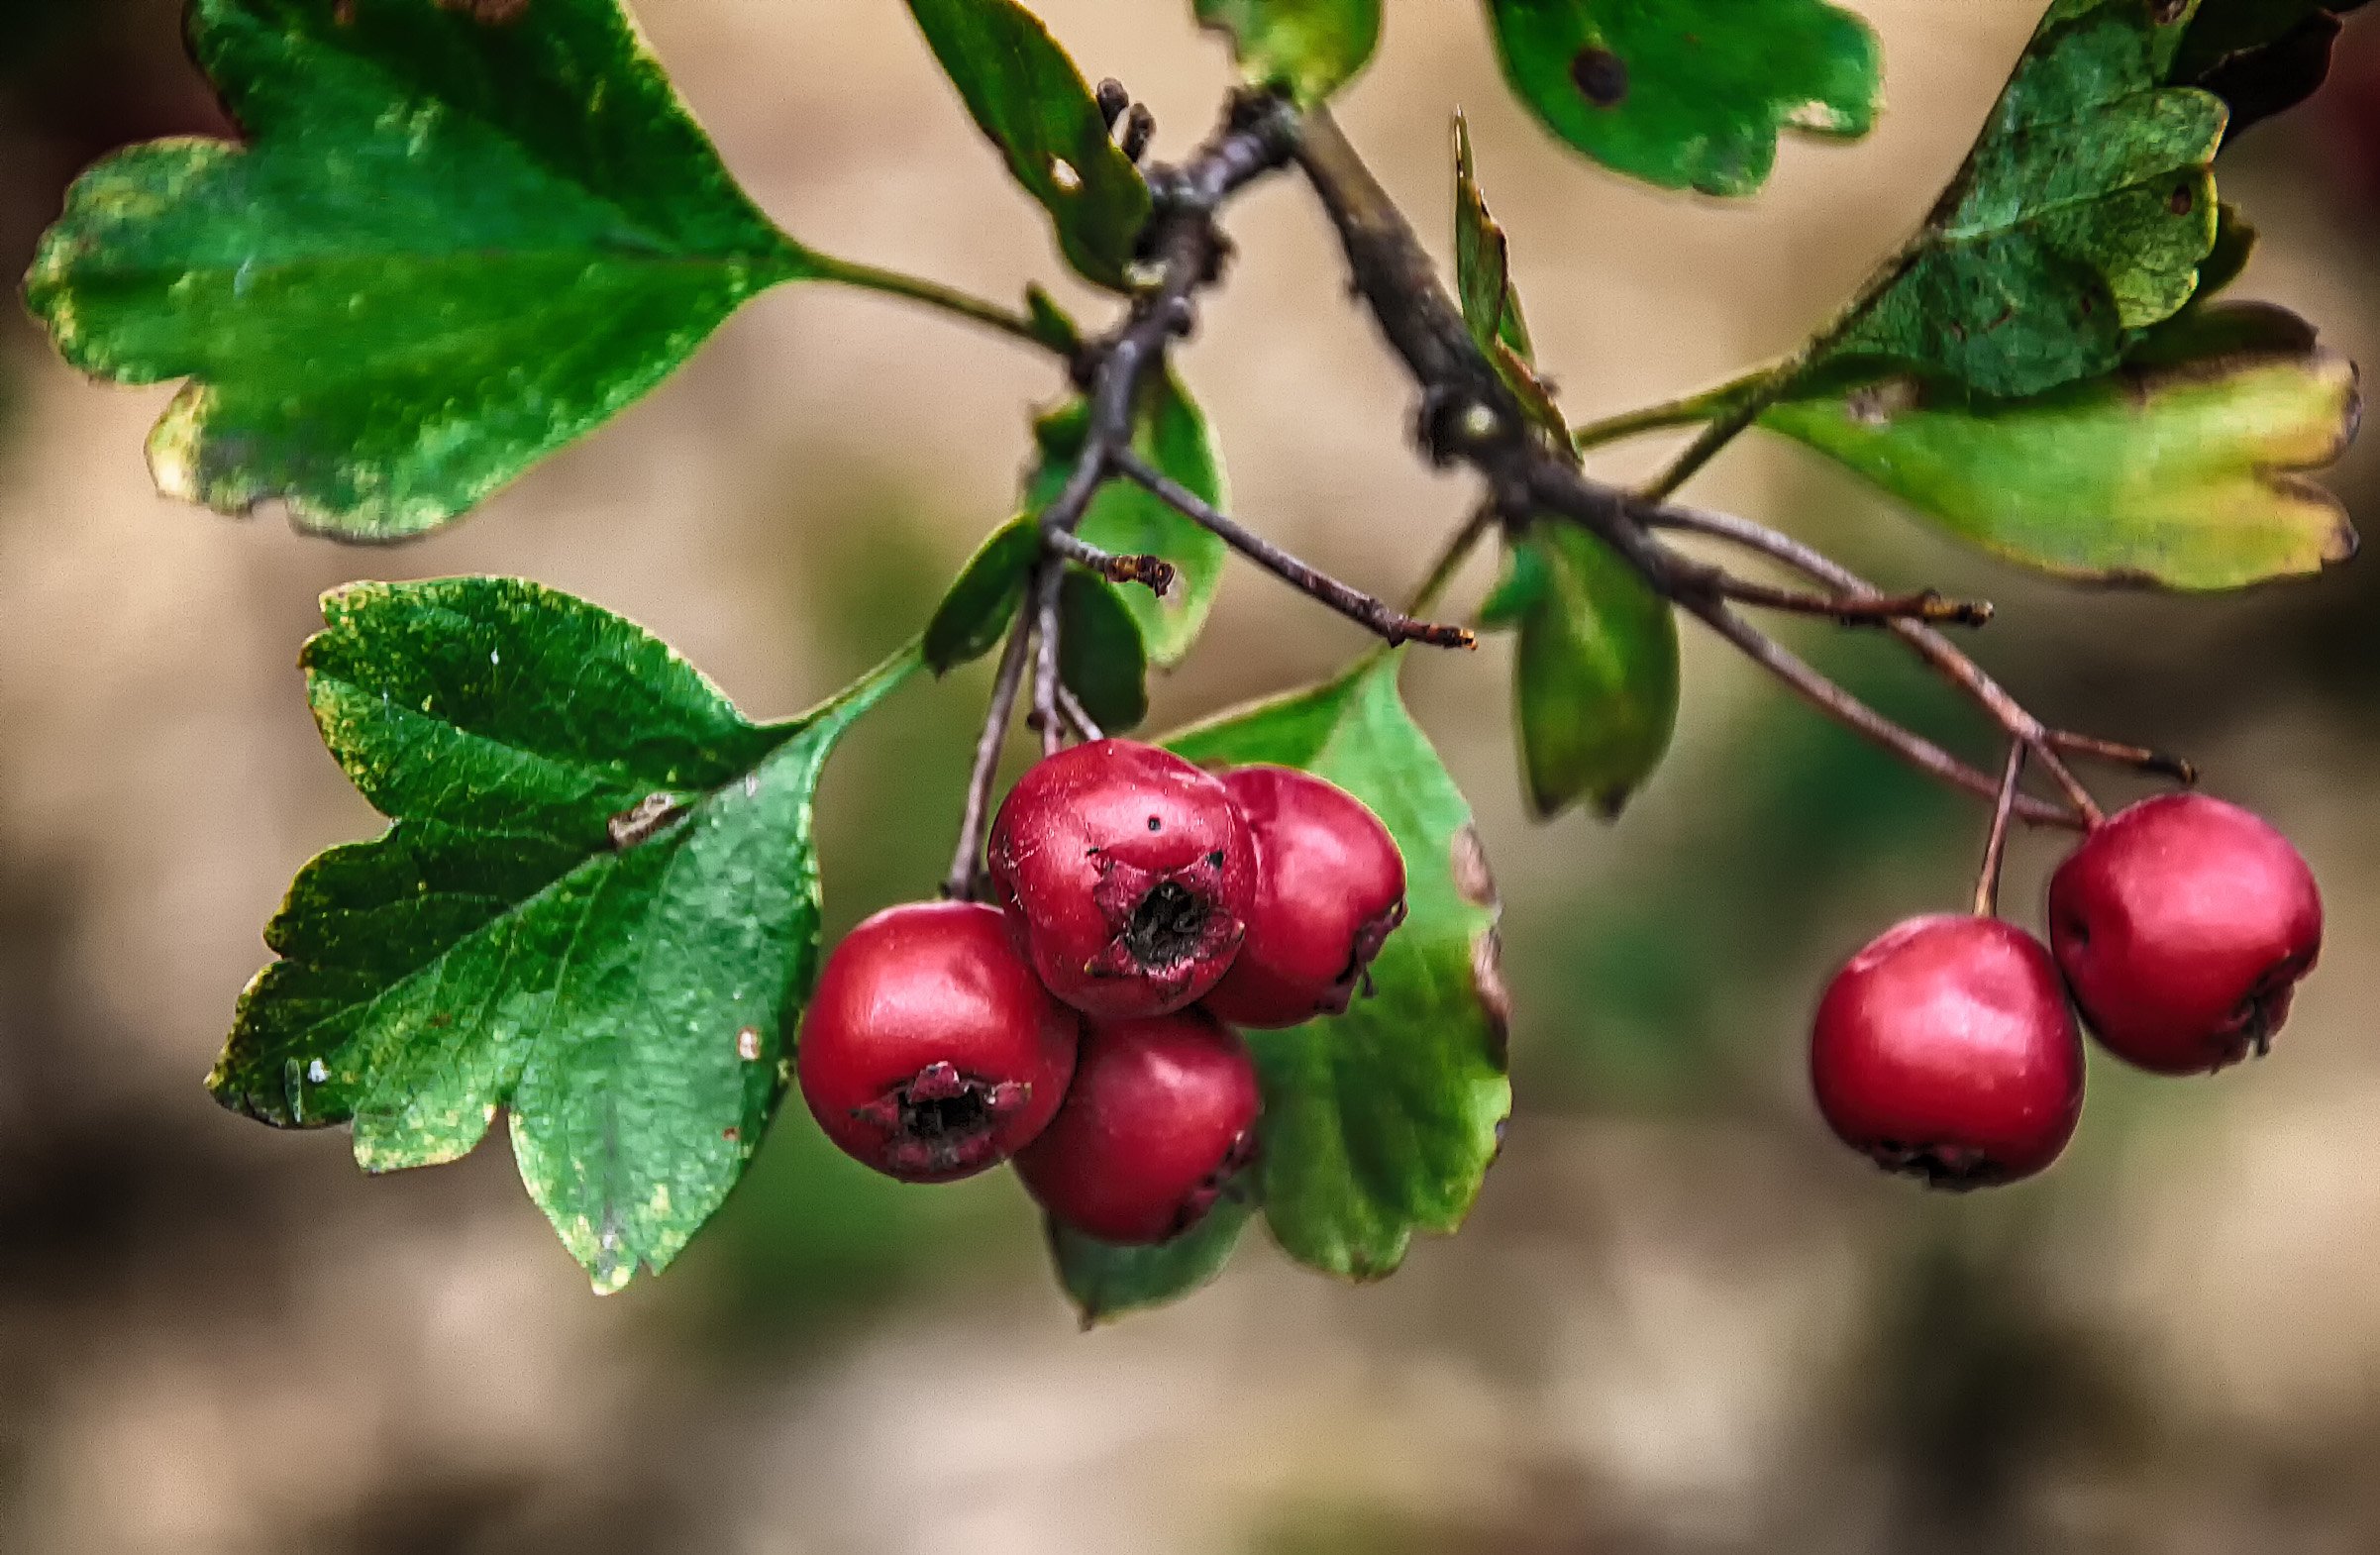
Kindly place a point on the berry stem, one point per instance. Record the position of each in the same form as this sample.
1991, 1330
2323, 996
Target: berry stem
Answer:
1996, 844
1078, 717
965, 880
1044, 616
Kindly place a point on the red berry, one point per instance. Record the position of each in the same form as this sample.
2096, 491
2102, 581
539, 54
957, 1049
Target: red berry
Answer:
1945, 1050
930, 1051
1161, 1118
1330, 888
1126, 874
2183, 925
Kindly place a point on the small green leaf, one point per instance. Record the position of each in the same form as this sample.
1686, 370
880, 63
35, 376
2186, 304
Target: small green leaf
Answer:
1171, 434
1381, 1121
1309, 49
2260, 57
972, 617
457, 236
1491, 305
1052, 325
2180, 470
598, 907
1106, 1281
2081, 215
1099, 653
1027, 96
1594, 674
1690, 93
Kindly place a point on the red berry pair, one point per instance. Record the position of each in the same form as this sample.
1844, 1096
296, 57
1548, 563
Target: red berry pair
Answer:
2180, 927
945, 1038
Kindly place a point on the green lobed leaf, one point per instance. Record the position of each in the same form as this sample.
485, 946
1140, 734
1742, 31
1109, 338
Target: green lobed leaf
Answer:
2260, 57
598, 907
457, 237
1594, 672
1171, 434
1106, 1281
2080, 216
1028, 98
1690, 93
1099, 653
1309, 49
1381, 1121
983, 600
1491, 305
2181, 470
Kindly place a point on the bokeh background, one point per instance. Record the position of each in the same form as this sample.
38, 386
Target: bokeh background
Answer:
1682, 1320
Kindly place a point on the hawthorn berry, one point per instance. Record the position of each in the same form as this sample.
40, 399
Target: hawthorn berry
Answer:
1330, 888
1126, 873
1945, 1050
1160, 1117
930, 1051
2183, 925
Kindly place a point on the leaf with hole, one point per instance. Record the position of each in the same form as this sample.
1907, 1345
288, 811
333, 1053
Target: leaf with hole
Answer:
597, 907
455, 239
1690, 94
2081, 215
2181, 469
1031, 102
1309, 49
1381, 1122
1594, 668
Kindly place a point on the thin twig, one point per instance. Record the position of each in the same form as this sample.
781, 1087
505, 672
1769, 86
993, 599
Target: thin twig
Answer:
1838, 704
1855, 610
1995, 846
2138, 757
1930, 645
869, 277
1450, 561
966, 867
1153, 572
1078, 717
1392, 625
1043, 610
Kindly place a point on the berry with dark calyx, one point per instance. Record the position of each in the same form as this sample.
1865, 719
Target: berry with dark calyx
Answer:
1126, 873
930, 1051
1161, 1118
2183, 925
1330, 888
1945, 1050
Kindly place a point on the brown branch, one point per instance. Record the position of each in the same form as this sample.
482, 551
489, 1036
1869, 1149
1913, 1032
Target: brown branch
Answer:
1996, 844
966, 877
1392, 625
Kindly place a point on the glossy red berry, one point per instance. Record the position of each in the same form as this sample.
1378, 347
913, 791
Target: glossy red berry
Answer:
930, 1051
1126, 874
1945, 1050
2183, 925
1161, 1118
1330, 888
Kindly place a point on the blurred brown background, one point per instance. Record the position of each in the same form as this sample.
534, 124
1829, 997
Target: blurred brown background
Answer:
1682, 1321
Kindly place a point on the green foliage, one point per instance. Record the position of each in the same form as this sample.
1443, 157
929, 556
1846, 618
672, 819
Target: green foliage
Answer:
1309, 49
1690, 93
456, 239
1027, 96
1172, 435
1099, 653
1381, 1121
1491, 305
597, 907
2081, 215
983, 600
1106, 1281
2176, 470
1594, 671
2259, 56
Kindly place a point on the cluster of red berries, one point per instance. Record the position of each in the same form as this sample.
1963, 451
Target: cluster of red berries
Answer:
2180, 927
1083, 1026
